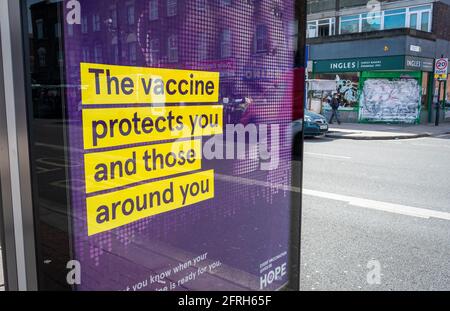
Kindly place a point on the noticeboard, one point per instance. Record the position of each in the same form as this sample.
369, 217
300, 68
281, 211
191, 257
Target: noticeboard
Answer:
182, 125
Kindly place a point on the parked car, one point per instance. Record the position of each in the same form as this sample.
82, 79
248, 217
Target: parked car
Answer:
315, 124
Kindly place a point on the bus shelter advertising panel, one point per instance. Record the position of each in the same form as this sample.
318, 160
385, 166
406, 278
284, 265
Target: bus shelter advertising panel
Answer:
180, 114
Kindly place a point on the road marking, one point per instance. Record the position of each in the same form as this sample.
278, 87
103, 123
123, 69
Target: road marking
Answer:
354, 201
443, 135
328, 155
437, 145
380, 206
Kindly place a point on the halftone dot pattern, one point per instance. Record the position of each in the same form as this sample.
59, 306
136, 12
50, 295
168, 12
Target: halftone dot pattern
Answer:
256, 87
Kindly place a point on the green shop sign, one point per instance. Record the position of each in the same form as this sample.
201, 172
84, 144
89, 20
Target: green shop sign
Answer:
369, 64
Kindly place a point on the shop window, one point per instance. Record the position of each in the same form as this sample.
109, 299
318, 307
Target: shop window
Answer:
153, 10
130, 15
173, 48
395, 19
172, 7
225, 43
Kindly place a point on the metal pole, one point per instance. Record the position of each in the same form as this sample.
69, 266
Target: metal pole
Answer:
436, 122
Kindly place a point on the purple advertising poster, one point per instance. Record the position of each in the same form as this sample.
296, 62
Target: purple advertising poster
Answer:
180, 115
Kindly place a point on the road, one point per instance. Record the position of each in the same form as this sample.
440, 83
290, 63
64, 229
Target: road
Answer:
377, 208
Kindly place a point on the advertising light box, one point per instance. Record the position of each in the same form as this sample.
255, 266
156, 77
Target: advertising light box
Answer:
180, 115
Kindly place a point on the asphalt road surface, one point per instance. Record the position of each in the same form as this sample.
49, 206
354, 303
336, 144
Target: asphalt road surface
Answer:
376, 215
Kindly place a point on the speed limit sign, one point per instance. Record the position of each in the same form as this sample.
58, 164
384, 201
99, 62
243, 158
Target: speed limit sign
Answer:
441, 68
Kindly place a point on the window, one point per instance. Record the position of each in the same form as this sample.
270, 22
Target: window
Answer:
84, 24
98, 54
154, 51
173, 48
420, 18
371, 22
225, 43
115, 51
70, 30
203, 46
261, 44
113, 14
425, 21
325, 27
415, 17
321, 28
312, 29
86, 54
132, 53
395, 19
350, 24
96, 22
153, 10
40, 29
171, 7
130, 15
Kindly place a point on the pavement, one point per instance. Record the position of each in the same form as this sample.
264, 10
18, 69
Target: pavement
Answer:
386, 131
376, 206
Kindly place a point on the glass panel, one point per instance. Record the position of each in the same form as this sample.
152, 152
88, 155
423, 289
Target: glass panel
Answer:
312, 30
420, 8
395, 21
162, 148
371, 22
324, 22
348, 18
413, 21
398, 11
349, 26
425, 24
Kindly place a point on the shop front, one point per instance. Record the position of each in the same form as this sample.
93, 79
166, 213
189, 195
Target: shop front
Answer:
389, 89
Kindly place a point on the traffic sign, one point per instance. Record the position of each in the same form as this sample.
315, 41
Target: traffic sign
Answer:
441, 68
